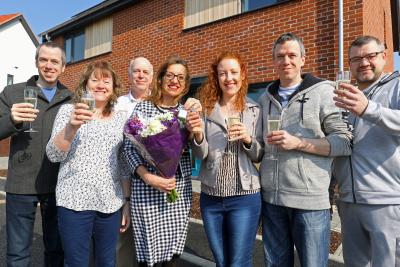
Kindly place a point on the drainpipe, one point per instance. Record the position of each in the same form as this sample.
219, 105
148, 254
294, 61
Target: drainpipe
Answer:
340, 35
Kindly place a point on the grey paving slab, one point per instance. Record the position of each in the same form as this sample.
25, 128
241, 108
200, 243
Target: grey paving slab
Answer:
195, 185
3, 163
2, 185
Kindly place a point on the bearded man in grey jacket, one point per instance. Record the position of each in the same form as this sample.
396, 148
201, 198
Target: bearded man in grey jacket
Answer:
369, 179
295, 183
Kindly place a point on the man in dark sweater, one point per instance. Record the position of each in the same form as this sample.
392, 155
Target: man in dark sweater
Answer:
31, 176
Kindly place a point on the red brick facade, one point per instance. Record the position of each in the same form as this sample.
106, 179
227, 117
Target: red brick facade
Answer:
154, 29
4, 147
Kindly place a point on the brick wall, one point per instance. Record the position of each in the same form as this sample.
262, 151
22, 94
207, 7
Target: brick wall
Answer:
4, 147
378, 13
154, 29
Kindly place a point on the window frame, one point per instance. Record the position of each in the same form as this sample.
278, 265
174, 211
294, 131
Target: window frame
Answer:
244, 2
188, 28
10, 77
73, 36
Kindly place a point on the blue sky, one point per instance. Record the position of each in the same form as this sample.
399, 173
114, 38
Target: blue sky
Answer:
42, 15
45, 14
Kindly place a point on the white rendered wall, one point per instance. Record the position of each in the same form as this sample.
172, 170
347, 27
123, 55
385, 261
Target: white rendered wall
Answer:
17, 54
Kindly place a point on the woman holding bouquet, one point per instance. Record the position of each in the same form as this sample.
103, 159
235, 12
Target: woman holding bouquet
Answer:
160, 227
92, 180
230, 198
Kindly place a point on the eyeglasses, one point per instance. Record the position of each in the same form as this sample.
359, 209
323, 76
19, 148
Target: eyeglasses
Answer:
171, 76
369, 57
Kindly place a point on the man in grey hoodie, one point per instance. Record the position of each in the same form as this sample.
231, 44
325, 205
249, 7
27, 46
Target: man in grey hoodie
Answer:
295, 185
369, 179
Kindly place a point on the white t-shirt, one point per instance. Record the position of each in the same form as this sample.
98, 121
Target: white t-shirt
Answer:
126, 103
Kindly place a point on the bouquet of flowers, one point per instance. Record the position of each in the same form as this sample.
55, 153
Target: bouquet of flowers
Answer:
160, 140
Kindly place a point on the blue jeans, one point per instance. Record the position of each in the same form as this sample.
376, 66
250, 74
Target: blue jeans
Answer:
77, 229
20, 219
307, 230
231, 225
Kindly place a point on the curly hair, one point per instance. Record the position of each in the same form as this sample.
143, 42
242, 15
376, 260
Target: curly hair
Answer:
210, 92
156, 91
100, 69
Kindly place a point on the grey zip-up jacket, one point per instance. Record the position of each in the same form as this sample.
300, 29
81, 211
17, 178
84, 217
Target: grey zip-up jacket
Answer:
298, 179
371, 175
211, 149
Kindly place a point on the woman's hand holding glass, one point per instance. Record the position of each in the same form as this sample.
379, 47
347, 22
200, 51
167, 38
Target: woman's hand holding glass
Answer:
194, 122
80, 115
238, 131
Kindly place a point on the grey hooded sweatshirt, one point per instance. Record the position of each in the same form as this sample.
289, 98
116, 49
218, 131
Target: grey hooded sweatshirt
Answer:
371, 175
298, 179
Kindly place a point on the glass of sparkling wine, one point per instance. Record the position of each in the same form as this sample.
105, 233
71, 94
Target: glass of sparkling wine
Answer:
342, 77
232, 120
88, 99
30, 96
274, 124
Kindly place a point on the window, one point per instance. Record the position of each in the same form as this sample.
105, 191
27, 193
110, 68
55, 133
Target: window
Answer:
195, 84
248, 5
10, 79
255, 90
94, 40
198, 12
98, 38
75, 47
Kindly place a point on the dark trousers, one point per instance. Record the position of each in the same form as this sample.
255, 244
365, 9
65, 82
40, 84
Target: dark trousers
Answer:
20, 219
77, 229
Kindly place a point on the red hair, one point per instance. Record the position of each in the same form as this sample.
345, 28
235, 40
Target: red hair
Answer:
210, 92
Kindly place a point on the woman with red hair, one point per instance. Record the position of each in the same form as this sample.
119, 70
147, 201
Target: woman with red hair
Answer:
229, 145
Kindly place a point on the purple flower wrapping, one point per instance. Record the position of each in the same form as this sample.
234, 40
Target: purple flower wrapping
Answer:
163, 150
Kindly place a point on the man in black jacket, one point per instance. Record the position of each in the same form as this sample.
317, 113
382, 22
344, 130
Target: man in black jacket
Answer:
31, 176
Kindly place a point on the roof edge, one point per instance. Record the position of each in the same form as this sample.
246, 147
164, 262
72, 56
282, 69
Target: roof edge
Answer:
87, 16
26, 26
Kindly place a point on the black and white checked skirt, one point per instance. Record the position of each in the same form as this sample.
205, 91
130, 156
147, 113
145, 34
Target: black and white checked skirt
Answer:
159, 227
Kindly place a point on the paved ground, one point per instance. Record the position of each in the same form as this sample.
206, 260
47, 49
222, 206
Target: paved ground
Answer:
3, 163
197, 252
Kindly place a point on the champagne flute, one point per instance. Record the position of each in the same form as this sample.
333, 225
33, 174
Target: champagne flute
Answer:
342, 77
123, 114
273, 124
87, 98
231, 121
30, 96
